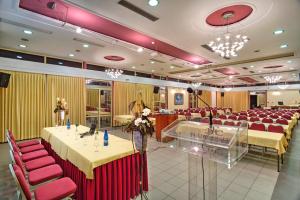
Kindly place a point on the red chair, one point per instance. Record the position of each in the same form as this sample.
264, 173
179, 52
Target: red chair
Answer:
287, 117
273, 116
253, 115
58, 189
243, 117
203, 113
262, 115
282, 121
232, 117
275, 129
217, 121
204, 120
254, 119
258, 127
243, 113
238, 123
22, 144
223, 117
214, 112
267, 120
229, 123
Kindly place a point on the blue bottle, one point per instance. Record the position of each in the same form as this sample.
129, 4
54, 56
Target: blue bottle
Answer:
68, 124
105, 138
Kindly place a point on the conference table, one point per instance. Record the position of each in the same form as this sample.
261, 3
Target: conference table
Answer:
100, 172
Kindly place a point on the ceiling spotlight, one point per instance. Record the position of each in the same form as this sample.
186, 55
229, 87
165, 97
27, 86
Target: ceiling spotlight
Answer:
28, 32
196, 66
152, 42
140, 49
78, 30
284, 46
152, 70
71, 55
252, 66
259, 71
289, 61
278, 32
22, 45
230, 77
153, 3
152, 62
171, 67
85, 45
19, 57
133, 67
60, 63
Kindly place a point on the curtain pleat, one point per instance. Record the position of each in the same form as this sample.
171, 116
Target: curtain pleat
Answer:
27, 104
238, 101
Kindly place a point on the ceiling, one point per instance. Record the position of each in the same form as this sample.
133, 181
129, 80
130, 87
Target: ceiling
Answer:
181, 24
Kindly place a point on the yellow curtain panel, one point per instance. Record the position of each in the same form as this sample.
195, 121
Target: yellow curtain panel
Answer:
27, 105
238, 101
125, 93
206, 96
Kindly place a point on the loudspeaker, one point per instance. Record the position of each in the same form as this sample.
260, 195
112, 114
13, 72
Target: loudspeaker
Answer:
222, 94
101, 92
4, 79
155, 89
190, 90
199, 92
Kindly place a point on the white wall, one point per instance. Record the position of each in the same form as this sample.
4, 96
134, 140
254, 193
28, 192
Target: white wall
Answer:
289, 97
171, 92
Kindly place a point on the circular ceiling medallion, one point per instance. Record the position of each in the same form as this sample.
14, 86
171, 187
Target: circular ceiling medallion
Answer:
229, 15
273, 67
114, 58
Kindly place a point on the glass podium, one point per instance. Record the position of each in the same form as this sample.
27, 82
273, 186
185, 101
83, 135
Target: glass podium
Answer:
206, 147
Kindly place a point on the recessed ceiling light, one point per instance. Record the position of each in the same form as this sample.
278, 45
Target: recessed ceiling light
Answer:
22, 45
28, 32
291, 68
140, 49
230, 77
152, 62
259, 71
71, 55
60, 63
133, 67
179, 75
20, 57
278, 31
152, 42
78, 30
85, 45
172, 67
289, 61
152, 70
153, 3
284, 46
252, 66
196, 66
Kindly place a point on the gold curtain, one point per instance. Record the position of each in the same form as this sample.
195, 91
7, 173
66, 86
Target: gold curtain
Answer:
22, 105
92, 98
125, 93
206, 96
73, 90
238, 101
27, 105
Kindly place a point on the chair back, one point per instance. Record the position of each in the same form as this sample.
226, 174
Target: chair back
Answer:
274, 116
20, 181
229, 123
275, 129
285, 116
258, 127
243, 113
217, 121
254, 119
18, 161
232, 117
262, 115
243, 117
267, 120
282, 121
253, 115
204, 120
223, 117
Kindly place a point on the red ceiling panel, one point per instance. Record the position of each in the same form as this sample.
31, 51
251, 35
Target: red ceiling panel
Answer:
227, 71
248, 79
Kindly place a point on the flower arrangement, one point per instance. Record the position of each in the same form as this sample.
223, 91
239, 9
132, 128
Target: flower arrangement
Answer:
61, 109
141, 123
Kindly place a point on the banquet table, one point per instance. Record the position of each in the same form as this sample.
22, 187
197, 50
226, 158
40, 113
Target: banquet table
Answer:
124, 119
111, 172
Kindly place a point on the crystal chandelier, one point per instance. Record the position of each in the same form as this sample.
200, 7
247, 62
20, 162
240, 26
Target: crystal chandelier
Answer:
228, 44
196, 85
114, 73
272, 79
227, 89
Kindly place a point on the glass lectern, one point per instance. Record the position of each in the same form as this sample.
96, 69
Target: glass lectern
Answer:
207, 146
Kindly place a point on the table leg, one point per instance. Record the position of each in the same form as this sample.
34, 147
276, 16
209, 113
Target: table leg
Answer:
281, 158
278, 162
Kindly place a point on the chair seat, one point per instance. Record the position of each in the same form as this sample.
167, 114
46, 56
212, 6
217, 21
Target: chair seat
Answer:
39, 163
44, 174
32, 148
28, 143
34, 155
57, 189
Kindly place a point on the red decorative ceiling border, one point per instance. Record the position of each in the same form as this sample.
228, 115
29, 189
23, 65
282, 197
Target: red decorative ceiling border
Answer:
69, 13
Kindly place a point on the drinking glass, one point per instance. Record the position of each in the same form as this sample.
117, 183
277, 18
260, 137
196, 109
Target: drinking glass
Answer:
96, 143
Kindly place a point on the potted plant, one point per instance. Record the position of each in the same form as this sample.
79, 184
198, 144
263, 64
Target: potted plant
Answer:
141, 127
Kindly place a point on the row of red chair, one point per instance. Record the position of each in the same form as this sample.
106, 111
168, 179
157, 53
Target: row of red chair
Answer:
254, 126
282, 120
32, 166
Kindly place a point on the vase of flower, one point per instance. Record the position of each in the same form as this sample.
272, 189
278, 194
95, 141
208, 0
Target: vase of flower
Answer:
140, 141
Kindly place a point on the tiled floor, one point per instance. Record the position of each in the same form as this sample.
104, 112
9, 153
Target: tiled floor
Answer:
251, 178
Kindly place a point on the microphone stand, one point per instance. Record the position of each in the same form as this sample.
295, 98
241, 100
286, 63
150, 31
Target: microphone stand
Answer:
210, 114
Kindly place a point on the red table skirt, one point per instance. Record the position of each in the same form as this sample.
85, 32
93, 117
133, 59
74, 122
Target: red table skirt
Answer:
117, 180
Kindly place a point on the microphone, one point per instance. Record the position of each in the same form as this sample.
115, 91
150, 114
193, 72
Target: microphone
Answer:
191, 91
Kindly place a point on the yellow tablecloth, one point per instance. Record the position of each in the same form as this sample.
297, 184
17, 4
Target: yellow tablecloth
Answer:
260, 138
124, 119
96, 113
81, 151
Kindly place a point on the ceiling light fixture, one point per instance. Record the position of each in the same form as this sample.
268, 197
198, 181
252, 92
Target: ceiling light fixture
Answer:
133, 67
230, 77
272, 79
152, 62
153, 3
28, 32
152, 70
78, 30
227, 89
71, 55
252, 66
289, 61
22, 46
140, 49
196, 66
278, 31
228, 44
85, 45
114, 73
171, 67
283, 46
19, 57
60, 63
196, 85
